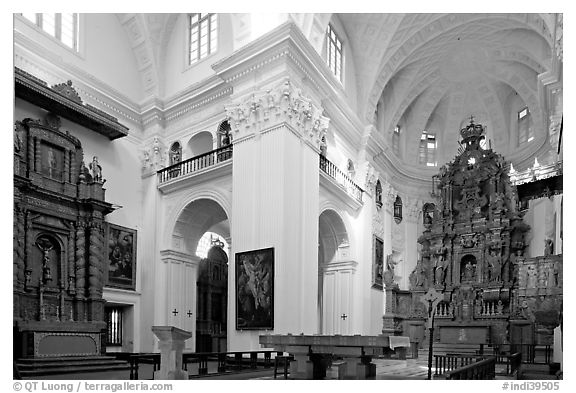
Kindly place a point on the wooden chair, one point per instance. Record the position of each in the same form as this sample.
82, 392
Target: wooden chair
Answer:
282, 361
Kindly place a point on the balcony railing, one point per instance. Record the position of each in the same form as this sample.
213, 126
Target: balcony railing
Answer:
341, 178
195, 164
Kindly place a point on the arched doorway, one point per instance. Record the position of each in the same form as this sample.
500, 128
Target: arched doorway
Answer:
204, 311
212, 295
335, 275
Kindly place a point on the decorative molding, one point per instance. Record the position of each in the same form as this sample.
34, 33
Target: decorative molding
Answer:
283, 103
171, 256
153, 156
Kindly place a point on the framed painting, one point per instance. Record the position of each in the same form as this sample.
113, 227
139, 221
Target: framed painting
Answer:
121, 255
255, 289
377, 262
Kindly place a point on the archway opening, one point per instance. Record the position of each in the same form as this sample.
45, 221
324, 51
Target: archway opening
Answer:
202, 231
333, 264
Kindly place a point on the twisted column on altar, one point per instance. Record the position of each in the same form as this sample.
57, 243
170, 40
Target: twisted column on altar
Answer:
95, 260
79, 262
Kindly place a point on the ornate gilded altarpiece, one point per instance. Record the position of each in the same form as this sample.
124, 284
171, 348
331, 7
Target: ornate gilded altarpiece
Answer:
473, 253
59, 255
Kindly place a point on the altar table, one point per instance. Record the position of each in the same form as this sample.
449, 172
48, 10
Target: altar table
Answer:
313, 353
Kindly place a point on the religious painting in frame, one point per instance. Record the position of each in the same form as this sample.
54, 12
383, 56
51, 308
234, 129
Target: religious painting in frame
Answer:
255, 289
377, 262
121, 256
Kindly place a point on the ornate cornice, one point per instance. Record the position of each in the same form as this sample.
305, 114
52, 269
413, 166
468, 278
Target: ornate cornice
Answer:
283, 103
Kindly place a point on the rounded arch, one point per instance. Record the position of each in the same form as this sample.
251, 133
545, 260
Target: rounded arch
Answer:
223, 201
333, 238
200, 143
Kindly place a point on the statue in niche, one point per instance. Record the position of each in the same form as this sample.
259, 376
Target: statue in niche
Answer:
96, 170
494, 266
441, 264
45, 246
52, 163
469, 271
427, 221
27, 278
548, 247
531, 274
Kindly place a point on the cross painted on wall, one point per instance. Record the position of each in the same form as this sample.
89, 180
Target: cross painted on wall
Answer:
344, 316
189, 313
175, 312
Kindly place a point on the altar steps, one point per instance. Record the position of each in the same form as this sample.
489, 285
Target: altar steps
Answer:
91, 367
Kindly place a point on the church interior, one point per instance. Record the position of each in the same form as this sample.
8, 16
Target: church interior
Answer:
310, 193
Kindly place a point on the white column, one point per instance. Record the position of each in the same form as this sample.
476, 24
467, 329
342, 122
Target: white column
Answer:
276, 134
181, 275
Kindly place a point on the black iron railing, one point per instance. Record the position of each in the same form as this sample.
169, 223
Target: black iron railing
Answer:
450, 362
341, 178
195, 164
482, 369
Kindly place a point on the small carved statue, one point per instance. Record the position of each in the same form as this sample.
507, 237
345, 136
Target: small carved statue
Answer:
45, 246
27, 278
499, 307
548, 247
52, 164
531, 277
96, 170
494, 266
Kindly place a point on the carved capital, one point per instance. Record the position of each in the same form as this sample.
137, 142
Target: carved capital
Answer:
283, 103
153, 156
412, 208
368, 175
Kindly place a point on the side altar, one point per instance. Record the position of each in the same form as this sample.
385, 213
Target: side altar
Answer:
312, 354
472, 252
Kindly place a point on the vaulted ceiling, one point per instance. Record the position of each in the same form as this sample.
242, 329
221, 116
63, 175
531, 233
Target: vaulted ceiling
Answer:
415, 69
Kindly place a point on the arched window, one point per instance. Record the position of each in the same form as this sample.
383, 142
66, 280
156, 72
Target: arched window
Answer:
396, 140
427, 152
525, 130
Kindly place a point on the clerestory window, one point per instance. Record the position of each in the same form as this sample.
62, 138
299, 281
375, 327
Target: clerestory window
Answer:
525, 130
428, 147
396, 140
334, 50
203, 38
63, 27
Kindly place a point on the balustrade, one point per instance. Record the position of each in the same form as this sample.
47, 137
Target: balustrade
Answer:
341, 178
195, 164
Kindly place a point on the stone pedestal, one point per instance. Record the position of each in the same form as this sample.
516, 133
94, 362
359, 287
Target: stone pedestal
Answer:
171, 343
